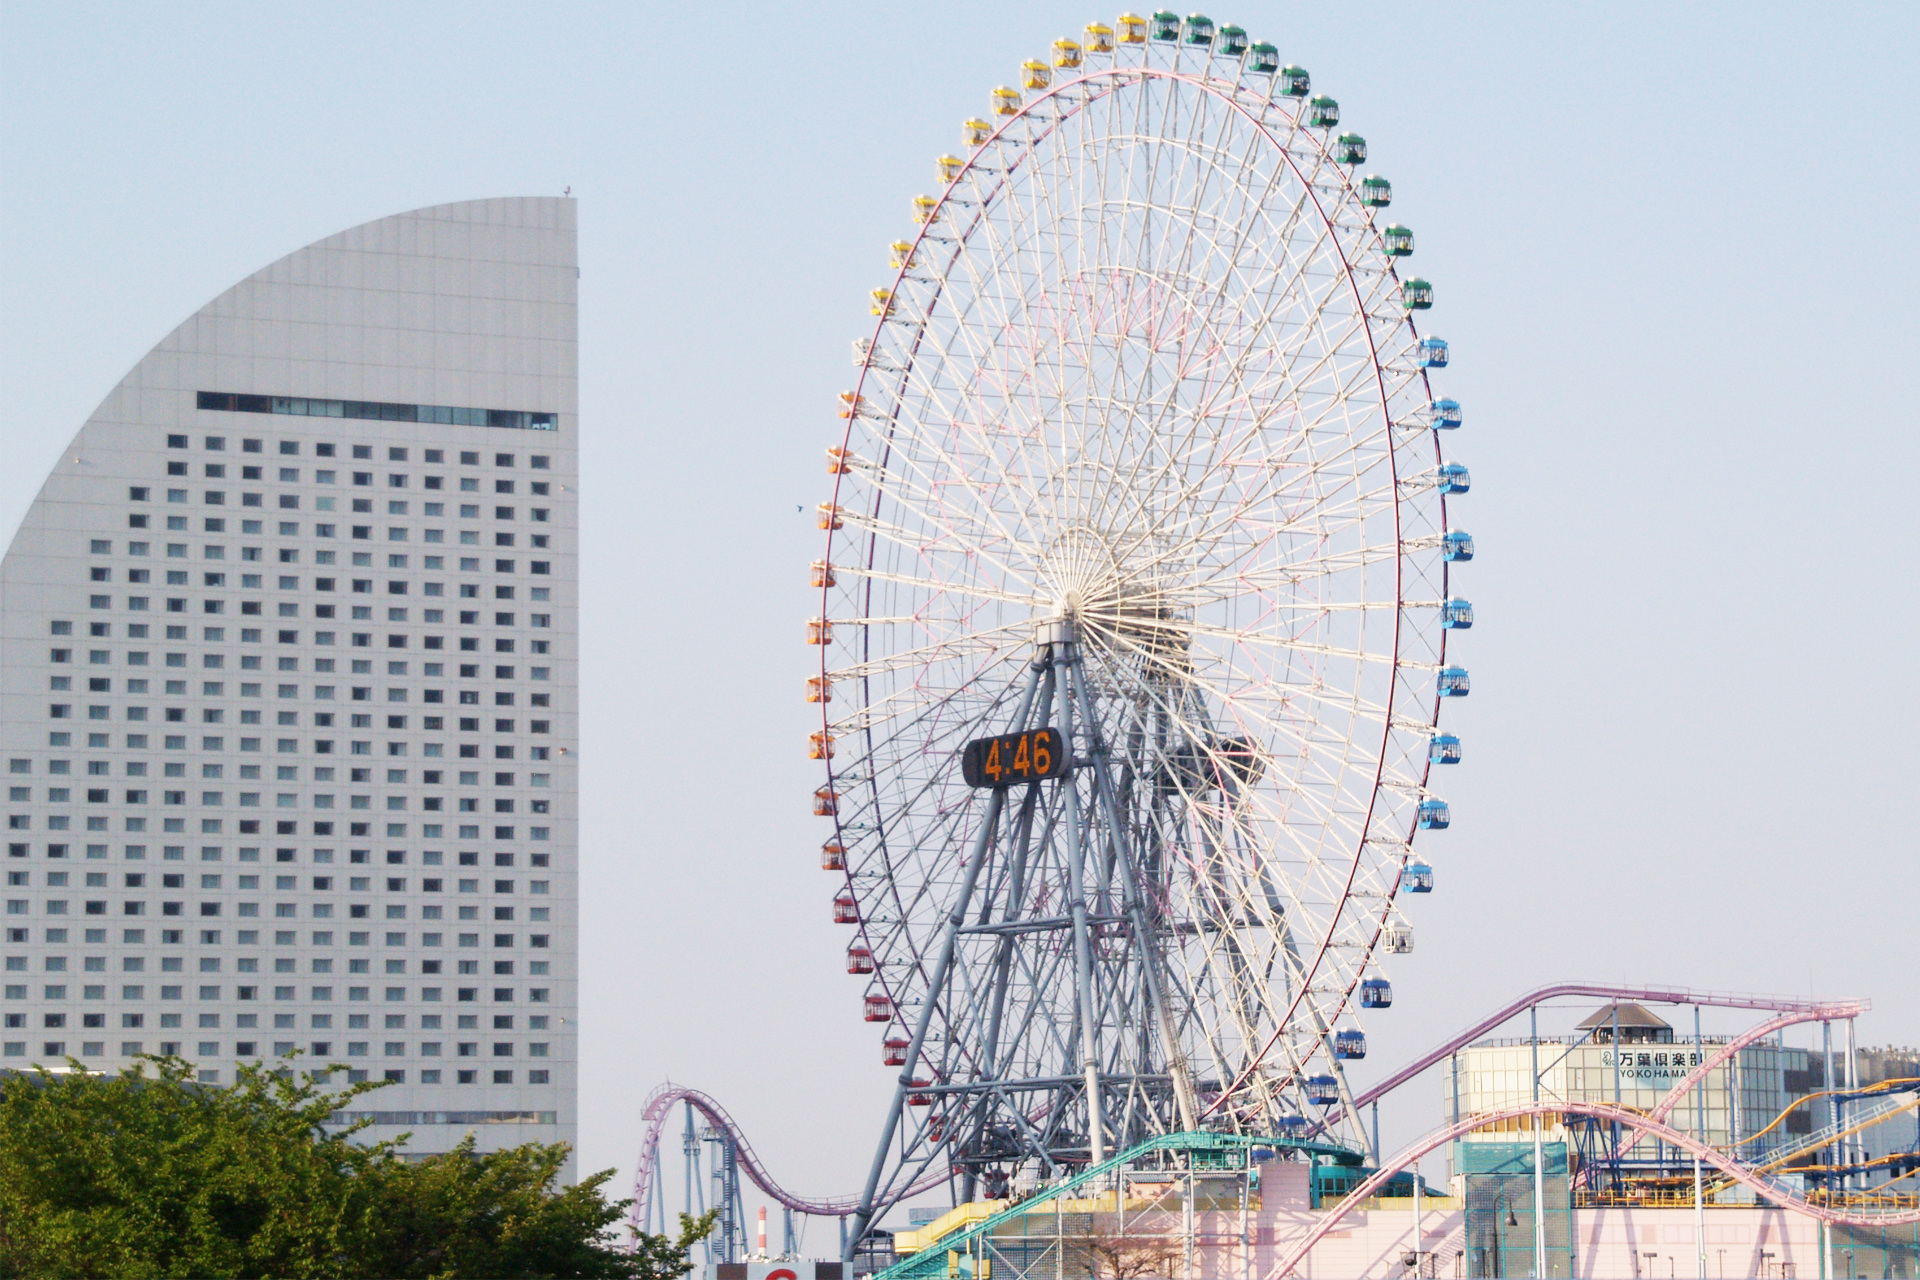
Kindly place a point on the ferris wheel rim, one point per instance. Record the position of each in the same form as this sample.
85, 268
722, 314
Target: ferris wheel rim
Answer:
1114, 79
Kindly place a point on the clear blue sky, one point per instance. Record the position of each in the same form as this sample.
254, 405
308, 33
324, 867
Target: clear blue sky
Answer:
1675, 249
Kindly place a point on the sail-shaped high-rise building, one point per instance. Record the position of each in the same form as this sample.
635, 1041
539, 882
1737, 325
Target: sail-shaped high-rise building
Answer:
289, 705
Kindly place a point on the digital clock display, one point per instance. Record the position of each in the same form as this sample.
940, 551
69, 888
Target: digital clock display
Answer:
1014, 757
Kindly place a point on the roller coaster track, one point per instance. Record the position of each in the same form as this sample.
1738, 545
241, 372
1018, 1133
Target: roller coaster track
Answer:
1771, 1188
654, 1114
1787, 1012
1790, 1011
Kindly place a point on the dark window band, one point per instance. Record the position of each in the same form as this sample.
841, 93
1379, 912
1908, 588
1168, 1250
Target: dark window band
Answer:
443, 1117
378, 411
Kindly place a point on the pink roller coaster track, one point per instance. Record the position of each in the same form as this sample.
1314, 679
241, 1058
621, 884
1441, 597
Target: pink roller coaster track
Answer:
659, 1106
1790, 1011
1768, 1187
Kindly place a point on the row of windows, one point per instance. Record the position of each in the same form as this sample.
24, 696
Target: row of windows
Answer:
362, 613
17, 822
282, 773
55, 1050
216, 715
320, 693
357, 639
359, 586
281, 883
354, 1049
281, 910
361, 506
256, 635
178, 742
326, 448
137, 825
251, 964
377, 411
213, 994
364, 640
214, 853
251, 662
287, 663
359, 532
281, 799
359, 829
362, 533
58, 937
139, 685
359, 479
360, 559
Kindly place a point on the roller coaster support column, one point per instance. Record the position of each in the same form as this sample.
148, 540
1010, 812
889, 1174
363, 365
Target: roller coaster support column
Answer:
1700, 1135
1615, 1149
1453, 1074
1419, 1221
1539, 1164
1833, 1097
1846, 1107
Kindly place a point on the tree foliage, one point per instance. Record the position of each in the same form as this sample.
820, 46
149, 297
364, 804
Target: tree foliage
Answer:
141, 1174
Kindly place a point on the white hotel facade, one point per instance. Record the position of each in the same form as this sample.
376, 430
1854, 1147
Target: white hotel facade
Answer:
288, 687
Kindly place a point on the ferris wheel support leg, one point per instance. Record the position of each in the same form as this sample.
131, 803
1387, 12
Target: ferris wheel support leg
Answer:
976, 858
1063, 657
1150, 957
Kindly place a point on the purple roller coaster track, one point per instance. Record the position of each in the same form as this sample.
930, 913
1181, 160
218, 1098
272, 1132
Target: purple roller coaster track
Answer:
654, 1115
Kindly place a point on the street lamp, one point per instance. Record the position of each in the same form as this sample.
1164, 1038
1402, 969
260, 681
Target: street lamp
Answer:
1500, 1201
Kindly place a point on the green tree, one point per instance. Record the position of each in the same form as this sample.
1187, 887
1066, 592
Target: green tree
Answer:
499, 1214
142, 1175
667, 1257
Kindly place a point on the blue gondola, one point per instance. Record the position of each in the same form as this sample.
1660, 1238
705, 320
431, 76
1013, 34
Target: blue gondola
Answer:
1350, 1044
1443, 748
1376, 993
1290, 1127
1446, 415
1458, 546
1433, 353
1452, 682
1457, 615
1434, 815
1417, 878
1323, 1091
1454, 478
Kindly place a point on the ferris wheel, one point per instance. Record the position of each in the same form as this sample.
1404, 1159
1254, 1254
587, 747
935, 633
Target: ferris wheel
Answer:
1134, 609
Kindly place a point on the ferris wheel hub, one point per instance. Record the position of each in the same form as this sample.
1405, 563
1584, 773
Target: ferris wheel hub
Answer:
1053, 631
